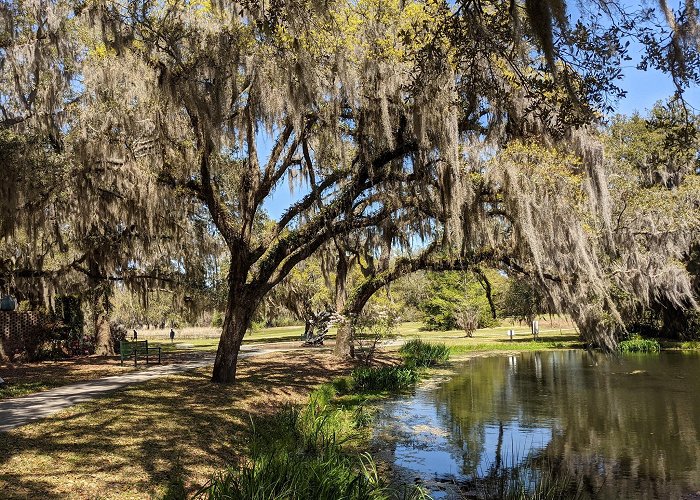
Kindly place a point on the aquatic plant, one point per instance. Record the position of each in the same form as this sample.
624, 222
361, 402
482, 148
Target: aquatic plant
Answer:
638, 344
298, 453
423, 354
534, 478
385, 378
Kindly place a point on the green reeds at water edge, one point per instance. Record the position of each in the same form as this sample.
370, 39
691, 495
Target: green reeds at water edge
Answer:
385, 378
638, 344
307, 452
536, 477
301, 453
424, 354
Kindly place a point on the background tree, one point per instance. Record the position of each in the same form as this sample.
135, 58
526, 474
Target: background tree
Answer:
656, 208
78, 215
523, 300
335, 107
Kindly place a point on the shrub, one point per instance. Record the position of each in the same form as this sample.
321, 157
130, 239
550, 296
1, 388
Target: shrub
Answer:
467, 317
217, 319
371, 329
638, 344
423, 354
385, 378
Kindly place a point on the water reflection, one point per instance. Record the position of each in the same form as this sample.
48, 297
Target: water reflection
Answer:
627, 427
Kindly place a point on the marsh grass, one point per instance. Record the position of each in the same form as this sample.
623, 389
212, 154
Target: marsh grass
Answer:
638, 344
301, 452
534, 478
417, 353
384, 378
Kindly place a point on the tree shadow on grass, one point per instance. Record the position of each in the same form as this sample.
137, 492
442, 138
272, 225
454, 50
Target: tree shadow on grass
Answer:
158, 438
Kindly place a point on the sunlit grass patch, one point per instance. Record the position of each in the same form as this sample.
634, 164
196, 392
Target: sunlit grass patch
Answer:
424, 354
638, 344
513, 346
385, 378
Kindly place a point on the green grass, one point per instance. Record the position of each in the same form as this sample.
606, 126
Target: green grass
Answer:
424, 354
304, 453
496, 339
207, 339
638, 344
385, 378
514, 346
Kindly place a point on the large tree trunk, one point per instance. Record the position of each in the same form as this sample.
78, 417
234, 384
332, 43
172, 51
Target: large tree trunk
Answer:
100, 291
239, 314
343, 341
103, 333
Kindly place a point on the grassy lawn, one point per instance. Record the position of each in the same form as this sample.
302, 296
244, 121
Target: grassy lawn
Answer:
209, 337
35, 377
496, 339
160, 438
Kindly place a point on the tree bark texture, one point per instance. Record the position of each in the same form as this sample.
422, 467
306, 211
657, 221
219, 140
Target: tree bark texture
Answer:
103, 333
343, 342
237, 320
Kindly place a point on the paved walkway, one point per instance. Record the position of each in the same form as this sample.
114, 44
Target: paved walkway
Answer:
21, 411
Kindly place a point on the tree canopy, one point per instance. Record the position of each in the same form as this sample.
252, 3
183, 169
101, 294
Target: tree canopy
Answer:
143, 137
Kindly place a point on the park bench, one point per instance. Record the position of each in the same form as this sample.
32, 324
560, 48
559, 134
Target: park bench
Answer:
137, 348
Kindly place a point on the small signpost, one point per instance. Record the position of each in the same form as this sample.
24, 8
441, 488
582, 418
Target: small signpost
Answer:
510, 334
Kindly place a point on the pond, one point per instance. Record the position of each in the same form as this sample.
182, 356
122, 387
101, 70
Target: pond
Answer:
614, 427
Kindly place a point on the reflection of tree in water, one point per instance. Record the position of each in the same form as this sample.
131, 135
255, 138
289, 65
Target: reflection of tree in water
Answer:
633, 433
628, 427
466, 404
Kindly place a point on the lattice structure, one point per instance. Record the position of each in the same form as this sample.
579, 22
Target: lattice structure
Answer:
20, 334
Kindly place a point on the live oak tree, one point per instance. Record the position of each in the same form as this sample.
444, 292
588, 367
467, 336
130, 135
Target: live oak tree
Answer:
189, 110
328, 90
76, 212
356, 97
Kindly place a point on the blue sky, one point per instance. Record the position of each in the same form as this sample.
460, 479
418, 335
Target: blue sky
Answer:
644, 88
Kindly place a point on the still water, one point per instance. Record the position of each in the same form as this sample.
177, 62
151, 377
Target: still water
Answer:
623, 427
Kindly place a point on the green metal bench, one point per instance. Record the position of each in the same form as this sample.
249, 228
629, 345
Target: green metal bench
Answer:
136, 348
